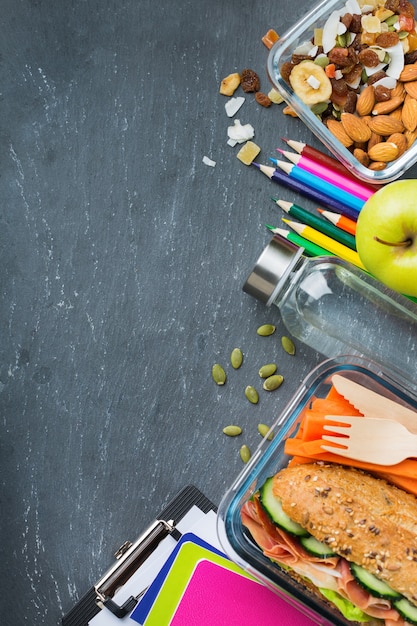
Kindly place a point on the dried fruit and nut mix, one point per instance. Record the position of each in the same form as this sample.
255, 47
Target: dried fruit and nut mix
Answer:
358, 74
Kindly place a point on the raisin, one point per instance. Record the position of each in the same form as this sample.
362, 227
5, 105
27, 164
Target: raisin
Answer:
382, 94
346, 20
350, 104
352, 77
286, 69
340, 57
356, 24
406, 8
368, 57
298, 58
410, 57
392, 5
376, 77
387, 40
249, 81
263, 99
339, 92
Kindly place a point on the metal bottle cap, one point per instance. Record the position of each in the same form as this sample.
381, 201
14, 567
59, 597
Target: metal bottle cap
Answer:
272, 269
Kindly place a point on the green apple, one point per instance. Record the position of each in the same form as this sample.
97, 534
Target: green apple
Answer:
386, 236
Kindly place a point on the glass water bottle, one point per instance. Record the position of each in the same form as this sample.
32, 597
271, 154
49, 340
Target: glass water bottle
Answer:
336, 308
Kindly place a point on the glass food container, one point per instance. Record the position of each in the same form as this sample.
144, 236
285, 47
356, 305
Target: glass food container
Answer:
282, 51
269, 458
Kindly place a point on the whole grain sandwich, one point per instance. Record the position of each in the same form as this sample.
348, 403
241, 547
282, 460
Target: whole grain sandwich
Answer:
343, 533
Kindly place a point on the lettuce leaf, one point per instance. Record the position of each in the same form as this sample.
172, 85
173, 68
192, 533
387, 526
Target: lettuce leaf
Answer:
348, 610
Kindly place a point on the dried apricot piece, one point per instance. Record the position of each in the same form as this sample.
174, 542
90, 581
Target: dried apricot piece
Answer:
270, 37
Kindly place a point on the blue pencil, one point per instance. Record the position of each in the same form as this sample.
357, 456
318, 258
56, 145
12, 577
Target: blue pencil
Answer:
309, 179
313, 194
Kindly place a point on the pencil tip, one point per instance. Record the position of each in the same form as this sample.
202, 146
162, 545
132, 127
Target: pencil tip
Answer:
284, 139
274, 199
274, 161
320, 210
256, 164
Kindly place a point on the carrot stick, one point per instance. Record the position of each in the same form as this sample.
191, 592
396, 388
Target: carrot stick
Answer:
305, 446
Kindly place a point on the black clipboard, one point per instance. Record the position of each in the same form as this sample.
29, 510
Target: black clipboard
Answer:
131, 556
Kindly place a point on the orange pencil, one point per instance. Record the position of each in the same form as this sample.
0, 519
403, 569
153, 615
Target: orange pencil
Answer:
341, 221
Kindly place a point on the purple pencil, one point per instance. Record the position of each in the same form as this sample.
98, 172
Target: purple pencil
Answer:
324, 201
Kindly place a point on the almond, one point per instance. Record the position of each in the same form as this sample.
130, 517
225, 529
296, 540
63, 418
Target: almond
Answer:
409, 73
410, 136
336, 128
384, 151
366, 101
362, 156
411, 88
376, 166
375, 138
398, 90
385, 125
409, 113
397, 113
400, 141
355, 127
382, 108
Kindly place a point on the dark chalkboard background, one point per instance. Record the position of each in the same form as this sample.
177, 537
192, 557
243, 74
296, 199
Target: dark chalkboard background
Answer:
123, 258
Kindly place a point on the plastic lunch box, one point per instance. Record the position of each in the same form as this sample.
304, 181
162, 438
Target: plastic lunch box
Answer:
269, 458
282, 50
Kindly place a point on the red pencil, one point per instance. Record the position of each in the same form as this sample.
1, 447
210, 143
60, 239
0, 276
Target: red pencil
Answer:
320, 157
341, 221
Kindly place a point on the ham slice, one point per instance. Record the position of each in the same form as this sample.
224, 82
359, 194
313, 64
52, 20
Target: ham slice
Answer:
330, 573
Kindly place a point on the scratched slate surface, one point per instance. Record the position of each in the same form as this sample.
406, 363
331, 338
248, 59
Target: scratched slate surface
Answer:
123, 258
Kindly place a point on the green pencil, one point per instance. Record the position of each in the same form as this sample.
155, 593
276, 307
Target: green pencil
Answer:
311, 249
317, 222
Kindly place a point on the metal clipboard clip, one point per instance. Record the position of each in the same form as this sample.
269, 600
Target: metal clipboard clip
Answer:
130, 556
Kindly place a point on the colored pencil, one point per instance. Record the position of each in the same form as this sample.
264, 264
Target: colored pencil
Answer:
331, 176
282, 179
310, 219
341, 221
326, 242
315, 182
310, 248
321, 157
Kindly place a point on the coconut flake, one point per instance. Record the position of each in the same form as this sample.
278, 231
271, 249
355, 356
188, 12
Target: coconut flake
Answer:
396, 63
240, 133
208, 161
233, 105
352, 6
313, 82
387, 81
341, 28
330, 31
304, 48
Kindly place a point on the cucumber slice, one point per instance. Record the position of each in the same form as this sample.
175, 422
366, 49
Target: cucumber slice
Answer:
374, 585
316, 547
407, 610
273, 507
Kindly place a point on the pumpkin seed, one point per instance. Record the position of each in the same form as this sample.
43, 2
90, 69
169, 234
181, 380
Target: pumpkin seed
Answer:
245, 453
288, 345
263, 430
266, 330
267, 370
236, 358
251, 394
218, 374
232, 430
273, 382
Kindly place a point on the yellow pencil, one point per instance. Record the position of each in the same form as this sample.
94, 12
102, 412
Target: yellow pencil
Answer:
326, 242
